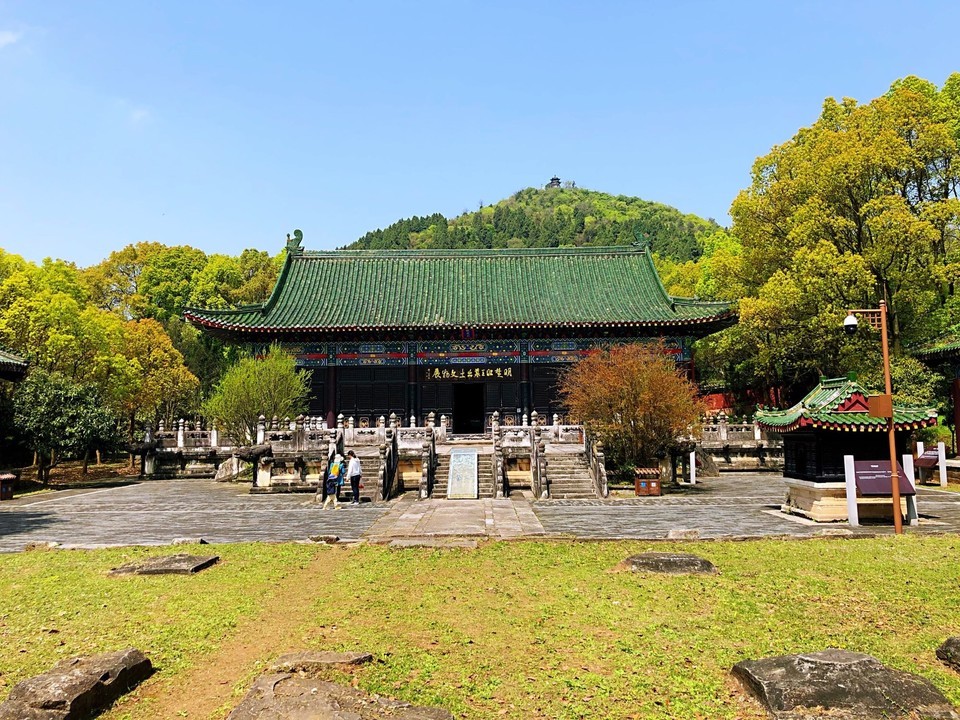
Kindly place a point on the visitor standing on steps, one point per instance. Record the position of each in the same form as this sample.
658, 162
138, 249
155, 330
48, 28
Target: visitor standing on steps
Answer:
334, 482
353, 472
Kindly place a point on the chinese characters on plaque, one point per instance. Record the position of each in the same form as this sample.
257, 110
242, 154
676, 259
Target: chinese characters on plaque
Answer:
481, 373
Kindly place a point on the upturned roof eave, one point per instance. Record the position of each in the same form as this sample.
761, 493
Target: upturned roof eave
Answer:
204, 320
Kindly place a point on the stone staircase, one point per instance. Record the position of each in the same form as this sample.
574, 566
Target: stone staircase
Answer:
485, 483
568, 476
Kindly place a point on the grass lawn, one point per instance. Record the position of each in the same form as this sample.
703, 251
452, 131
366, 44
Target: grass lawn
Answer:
514, 630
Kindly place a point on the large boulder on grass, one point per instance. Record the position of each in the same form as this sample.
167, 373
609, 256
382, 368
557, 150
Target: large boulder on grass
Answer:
77, 687
949, 652
841, 685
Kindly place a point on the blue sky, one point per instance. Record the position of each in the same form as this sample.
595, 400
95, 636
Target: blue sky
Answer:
226, 124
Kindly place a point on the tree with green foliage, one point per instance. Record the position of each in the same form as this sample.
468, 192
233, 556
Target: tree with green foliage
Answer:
860, 207
270, 386
633, 398
57, 417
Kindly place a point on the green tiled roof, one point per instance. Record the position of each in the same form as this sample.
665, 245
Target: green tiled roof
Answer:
12, 366
945, 349
841, 404
408, 289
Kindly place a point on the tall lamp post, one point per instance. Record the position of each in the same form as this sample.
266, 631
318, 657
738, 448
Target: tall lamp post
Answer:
884, 407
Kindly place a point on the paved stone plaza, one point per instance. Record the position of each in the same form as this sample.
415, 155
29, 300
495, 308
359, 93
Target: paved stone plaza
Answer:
160, 511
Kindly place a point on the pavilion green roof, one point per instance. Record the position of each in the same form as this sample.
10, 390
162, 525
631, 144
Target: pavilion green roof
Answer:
363, 290
12, 366
841, 404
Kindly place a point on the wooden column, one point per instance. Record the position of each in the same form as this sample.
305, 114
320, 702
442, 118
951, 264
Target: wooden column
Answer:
331, 393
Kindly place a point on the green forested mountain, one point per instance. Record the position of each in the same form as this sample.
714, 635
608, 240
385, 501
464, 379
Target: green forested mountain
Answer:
552, 217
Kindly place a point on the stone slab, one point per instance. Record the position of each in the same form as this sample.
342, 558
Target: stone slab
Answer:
671, 563
463, 482
840, 684
312, 660
464, 543
283, 696
180, 564
77, 687
949, 652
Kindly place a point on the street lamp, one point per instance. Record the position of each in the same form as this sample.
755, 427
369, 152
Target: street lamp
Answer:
884, 408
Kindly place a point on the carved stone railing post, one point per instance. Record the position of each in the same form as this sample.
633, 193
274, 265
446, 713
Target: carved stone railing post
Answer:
181, 430
544, 480
425, 471
430, 419
556, 419
261, 429
383, 490
495, 423
722, 426
214, 435
413, 420
499, 479
340, 421
524, 421
381, 421
393, 420
160, 427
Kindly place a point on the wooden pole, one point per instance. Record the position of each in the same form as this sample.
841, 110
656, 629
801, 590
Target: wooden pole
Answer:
894, 478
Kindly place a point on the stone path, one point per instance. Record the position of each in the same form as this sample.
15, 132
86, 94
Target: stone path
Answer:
499, 519
159, 511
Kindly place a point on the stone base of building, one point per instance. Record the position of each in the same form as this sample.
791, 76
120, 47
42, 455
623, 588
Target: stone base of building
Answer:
827, 502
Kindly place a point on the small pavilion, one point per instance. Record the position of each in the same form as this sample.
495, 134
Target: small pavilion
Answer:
832, 421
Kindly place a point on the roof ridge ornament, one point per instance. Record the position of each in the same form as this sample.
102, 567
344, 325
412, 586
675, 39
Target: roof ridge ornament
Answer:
295, 244
642, 240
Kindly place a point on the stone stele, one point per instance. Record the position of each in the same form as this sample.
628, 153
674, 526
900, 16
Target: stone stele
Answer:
283, 696
181, 564
77, 687
949, 652
668, 562
843, 685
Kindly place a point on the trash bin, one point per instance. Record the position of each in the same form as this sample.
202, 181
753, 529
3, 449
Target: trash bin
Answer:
6, 486
646, 481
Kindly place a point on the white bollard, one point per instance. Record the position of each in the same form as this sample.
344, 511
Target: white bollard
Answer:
942, 463
693, 467
912, 517
850, 476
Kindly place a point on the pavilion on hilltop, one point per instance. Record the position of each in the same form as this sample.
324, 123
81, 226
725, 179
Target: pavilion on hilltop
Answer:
463, 333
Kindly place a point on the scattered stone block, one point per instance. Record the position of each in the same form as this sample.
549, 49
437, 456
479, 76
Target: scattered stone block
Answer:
231, 469
310, 661
840, 684
683, 534
462, 543
328, 539
189, 541
834, 532
77, 687
949, 652
668, 562
299, 697
181, 564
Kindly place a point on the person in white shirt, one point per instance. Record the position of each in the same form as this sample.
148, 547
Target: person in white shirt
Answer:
353, 472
